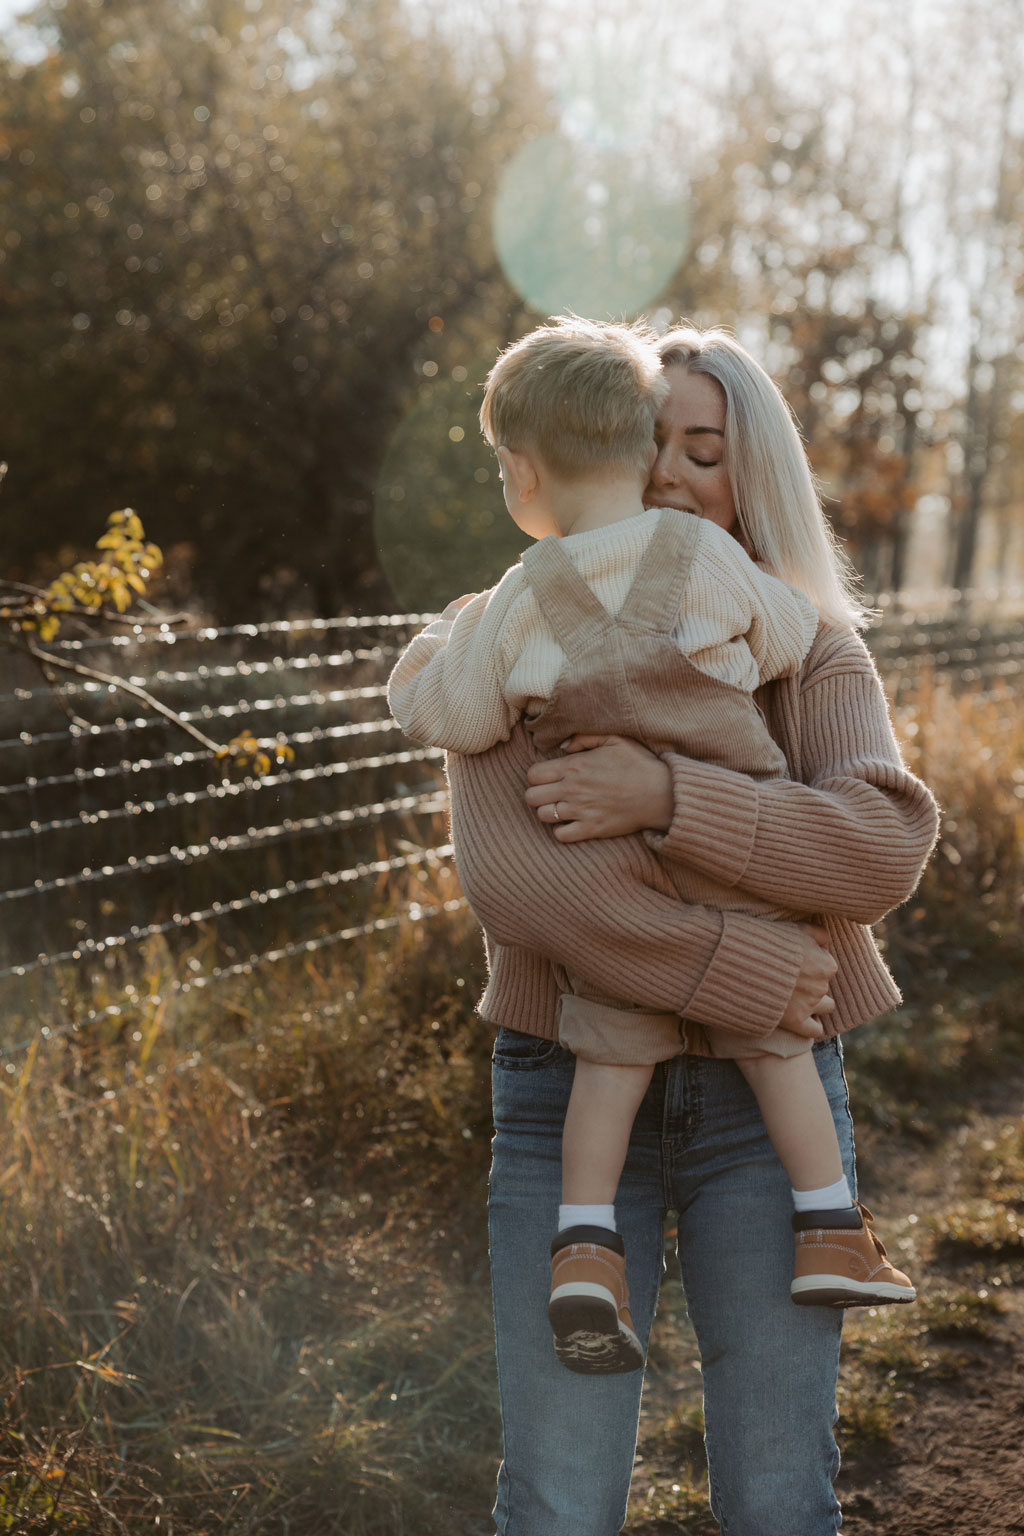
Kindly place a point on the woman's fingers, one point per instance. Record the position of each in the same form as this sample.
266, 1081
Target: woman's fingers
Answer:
609, 789
811, 996
547, 770
808, 1029
588, 743
551, 769
540, 778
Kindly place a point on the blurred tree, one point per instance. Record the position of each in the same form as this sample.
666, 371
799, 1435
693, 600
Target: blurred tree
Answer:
232, 232
247, 272
793, 245
986, 182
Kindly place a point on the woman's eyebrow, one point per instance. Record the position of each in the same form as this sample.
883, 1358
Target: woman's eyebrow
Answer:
697, 431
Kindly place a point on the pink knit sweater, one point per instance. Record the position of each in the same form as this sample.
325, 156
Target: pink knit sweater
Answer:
844, 839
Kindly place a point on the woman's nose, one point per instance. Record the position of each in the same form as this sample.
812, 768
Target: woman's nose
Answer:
663, 471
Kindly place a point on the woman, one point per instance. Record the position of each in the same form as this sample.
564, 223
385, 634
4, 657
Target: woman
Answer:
567, 871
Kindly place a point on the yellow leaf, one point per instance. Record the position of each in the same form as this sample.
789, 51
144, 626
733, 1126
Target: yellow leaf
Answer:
136, 582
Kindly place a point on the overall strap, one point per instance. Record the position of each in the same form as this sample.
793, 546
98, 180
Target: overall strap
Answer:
568, 605
656, 595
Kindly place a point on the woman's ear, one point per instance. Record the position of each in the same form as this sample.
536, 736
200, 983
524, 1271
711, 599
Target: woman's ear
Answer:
519, 473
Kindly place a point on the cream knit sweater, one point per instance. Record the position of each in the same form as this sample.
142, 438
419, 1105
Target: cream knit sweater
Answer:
845, 837
466, 679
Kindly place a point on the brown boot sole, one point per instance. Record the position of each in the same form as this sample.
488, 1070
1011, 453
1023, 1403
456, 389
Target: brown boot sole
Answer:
590, 1337
828, 1291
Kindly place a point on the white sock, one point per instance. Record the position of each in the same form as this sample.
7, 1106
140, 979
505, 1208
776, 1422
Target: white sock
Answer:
586, 1216
834, 1197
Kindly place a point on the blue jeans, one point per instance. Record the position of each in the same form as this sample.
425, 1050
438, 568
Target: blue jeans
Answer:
698, 1147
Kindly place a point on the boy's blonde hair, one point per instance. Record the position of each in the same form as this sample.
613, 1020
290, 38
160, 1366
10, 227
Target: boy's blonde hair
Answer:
778, 506
580, 394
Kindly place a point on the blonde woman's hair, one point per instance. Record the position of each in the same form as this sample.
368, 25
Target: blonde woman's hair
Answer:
777, 502
580, 394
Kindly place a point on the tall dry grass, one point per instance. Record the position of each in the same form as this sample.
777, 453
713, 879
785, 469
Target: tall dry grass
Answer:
245, 1283
957, 946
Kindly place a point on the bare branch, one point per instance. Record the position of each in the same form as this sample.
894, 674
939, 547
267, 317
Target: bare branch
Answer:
44, 660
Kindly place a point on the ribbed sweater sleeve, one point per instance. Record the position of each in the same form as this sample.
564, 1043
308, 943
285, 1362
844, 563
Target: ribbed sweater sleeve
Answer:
605, 910
447, 688
851, 840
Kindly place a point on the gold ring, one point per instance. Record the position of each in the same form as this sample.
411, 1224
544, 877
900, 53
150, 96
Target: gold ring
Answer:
555, 809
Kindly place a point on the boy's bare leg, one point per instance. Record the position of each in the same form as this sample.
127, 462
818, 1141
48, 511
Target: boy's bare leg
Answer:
796, 1116
589, 1304
839, 1262
598, 1125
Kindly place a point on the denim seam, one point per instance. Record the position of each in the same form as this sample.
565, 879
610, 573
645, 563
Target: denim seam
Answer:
693, 1119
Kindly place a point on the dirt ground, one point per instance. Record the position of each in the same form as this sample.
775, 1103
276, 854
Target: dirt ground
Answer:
956, 1466
953, 1465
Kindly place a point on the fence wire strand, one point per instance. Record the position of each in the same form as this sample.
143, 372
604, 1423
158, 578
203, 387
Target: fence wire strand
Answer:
250, 785
218, 909
415, 913
207, 674
428, 804
122, 726
172, 760
166, 635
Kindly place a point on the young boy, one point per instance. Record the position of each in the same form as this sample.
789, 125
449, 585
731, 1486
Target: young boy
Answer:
654, 625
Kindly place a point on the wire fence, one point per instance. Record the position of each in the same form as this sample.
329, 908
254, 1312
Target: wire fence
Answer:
116, 830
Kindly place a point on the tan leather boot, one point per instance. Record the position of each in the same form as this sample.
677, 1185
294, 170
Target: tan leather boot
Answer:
589, 1306
841, 1263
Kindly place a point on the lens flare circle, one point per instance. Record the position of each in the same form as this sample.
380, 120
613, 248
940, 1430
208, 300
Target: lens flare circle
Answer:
596, 229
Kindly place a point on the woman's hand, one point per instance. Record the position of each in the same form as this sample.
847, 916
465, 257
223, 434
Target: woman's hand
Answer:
605, 786
810, 995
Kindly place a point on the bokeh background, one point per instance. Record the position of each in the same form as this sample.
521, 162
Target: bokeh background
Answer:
257, 255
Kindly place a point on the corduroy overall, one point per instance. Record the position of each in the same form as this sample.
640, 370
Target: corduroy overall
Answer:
625, 675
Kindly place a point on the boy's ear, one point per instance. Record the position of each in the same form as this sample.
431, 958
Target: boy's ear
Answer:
520, 472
